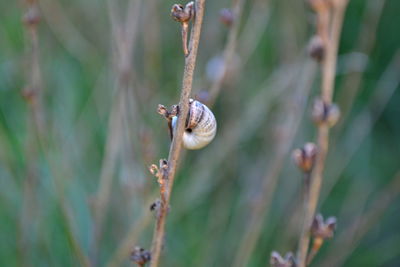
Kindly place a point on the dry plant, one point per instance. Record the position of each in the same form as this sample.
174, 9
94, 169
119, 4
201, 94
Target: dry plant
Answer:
167, 168
324, 48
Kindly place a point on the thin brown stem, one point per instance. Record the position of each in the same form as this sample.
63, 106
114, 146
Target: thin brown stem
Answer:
328, 75
176, 146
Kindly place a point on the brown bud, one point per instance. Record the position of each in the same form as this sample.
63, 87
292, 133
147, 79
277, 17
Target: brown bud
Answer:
182, 14
140, 256
226, 16
277, 260
323, 229
316, 48
324, 113
31, 16
305, 157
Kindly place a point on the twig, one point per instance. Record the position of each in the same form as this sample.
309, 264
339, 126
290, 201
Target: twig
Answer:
331, 41
176, 146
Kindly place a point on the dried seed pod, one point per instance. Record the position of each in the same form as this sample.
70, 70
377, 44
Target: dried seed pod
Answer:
324, 113
200, 126
140, 256
305, 157
316, 48
277, 260
226, 16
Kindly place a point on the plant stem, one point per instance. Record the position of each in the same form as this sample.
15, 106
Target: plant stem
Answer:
328, 75
176, 146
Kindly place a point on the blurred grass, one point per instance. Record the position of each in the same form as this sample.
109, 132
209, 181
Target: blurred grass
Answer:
216, 186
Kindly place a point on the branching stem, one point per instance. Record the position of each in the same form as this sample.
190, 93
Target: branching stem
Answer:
176, 146
328, 79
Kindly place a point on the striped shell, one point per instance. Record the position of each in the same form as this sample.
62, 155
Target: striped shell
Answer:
200, 127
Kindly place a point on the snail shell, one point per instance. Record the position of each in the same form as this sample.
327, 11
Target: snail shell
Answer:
200, 126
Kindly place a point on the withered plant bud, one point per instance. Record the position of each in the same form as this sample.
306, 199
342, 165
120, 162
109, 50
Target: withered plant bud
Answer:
32, 16
277, 260
140, 256
324, 113
305, 157
182, 14
321, 229
316, 48
226, 16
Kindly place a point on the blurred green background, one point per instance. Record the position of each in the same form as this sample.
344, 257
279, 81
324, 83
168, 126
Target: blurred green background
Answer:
74, 184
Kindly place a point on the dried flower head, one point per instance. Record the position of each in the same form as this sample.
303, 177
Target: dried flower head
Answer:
140, 256
226, 16
305, 157
316, 48
323, 229
277, 260
31, 16
324, 113
182, 14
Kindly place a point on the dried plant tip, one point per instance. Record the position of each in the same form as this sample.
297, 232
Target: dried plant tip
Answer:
153, 169
32, 16
316, 48
277, 260
182, 14
140, 256
304, 157
321, 229
226, 16
162, 110
324, 113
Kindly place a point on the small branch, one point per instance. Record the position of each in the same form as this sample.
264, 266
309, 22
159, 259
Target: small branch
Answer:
176, 146
330, 36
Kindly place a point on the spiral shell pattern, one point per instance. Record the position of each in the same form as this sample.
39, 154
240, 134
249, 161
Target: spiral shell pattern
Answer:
200, 126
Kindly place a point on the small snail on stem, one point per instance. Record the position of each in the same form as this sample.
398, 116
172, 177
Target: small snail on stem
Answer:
200, 126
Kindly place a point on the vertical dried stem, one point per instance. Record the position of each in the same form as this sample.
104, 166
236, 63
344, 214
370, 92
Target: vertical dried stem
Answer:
328, 75
33, 96
176, 146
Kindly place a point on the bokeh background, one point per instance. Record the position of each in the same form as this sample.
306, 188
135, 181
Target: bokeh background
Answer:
79, 128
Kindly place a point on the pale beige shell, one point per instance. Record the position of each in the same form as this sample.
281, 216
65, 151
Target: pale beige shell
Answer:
200, 127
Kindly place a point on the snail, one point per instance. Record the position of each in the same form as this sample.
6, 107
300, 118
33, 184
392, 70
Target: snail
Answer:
200, 126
